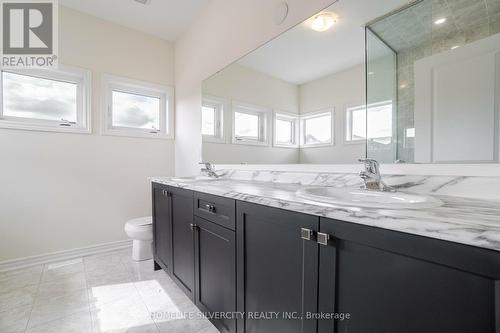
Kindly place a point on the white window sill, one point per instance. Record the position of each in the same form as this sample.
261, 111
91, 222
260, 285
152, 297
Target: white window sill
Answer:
250, 143
212, 139
43, 128
284, 145
354, 142
138, 134
317, 145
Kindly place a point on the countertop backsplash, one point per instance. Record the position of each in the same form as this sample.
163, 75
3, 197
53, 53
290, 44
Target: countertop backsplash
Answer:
487, 188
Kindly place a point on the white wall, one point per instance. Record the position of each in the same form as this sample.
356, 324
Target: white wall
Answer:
223, 32
340, 90
237, 83
62, 191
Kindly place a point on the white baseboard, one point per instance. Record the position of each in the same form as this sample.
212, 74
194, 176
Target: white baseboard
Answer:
13, 264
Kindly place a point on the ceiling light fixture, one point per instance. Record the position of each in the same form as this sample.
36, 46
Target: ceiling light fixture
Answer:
440, 21
143, 2
323, 21
454, 47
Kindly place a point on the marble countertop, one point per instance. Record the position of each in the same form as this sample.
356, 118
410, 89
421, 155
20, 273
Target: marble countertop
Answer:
462, 220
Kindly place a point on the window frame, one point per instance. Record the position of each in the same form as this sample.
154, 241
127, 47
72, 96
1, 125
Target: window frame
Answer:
348, 121
74, 75
317, 114
287, 116
262, 112
220, 105
110, 83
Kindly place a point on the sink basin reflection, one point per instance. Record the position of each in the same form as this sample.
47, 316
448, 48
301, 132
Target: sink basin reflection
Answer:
192, 179
368, 199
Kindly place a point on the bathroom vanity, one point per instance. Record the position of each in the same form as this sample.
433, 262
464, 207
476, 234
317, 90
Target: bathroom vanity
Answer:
419, 84
256, 248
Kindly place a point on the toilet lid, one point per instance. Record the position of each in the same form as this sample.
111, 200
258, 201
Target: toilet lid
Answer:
141, 221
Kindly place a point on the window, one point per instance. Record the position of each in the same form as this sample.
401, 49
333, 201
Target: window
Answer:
317, 129
250, 124
46, 99
356, 124
137, 109
212, 116
379, 120
285, 130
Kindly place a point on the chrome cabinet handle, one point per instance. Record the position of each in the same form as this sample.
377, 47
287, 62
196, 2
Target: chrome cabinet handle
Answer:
323, 238
306, 234
210, 208
193, 226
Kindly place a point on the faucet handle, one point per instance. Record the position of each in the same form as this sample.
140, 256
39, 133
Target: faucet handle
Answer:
206, 164
370, 164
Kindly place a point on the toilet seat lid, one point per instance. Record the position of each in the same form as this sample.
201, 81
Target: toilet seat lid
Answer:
141, 221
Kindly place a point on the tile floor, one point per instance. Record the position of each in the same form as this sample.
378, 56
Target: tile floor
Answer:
102, 293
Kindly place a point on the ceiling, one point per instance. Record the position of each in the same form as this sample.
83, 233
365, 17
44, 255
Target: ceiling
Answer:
302, 55
166, 19
466, 21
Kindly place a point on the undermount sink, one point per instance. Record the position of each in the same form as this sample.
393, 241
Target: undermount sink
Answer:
192, 179
369, 199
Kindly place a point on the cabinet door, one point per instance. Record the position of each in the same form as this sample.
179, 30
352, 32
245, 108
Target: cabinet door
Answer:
393, 282
183, 240
277, 269
216, 272
162, 227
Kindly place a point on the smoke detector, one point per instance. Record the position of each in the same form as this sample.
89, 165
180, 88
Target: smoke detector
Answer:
143, 2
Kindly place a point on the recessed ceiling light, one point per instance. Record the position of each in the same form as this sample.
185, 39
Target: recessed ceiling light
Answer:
440, 21
323, 21
143, 2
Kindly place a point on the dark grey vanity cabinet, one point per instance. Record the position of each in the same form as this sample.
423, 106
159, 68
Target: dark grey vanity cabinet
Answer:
393, 282
215, 268
194, 242
162, 227
182, 268
277, 269
215, 245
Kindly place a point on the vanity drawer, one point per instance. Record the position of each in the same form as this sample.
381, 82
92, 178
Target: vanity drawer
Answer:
216, 209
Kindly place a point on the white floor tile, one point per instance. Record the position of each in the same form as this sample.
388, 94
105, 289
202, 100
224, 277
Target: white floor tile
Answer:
80, 322
123, 315
102, 293
49, 309
56, 271
17, 298
14, 320
19, 279
62, 286
161, 294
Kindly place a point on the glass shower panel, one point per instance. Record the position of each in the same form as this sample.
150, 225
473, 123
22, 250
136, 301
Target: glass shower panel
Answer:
381, 99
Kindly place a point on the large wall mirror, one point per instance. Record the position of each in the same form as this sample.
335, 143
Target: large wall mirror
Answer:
442, 63
418, 84
299, 98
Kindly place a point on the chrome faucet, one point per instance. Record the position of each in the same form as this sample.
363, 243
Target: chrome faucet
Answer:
371, 176
209, 169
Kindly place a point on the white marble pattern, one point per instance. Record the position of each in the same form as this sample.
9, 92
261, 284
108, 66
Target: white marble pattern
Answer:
101, 293
470, 214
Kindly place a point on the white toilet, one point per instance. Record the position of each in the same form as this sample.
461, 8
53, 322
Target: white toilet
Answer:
140, 230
